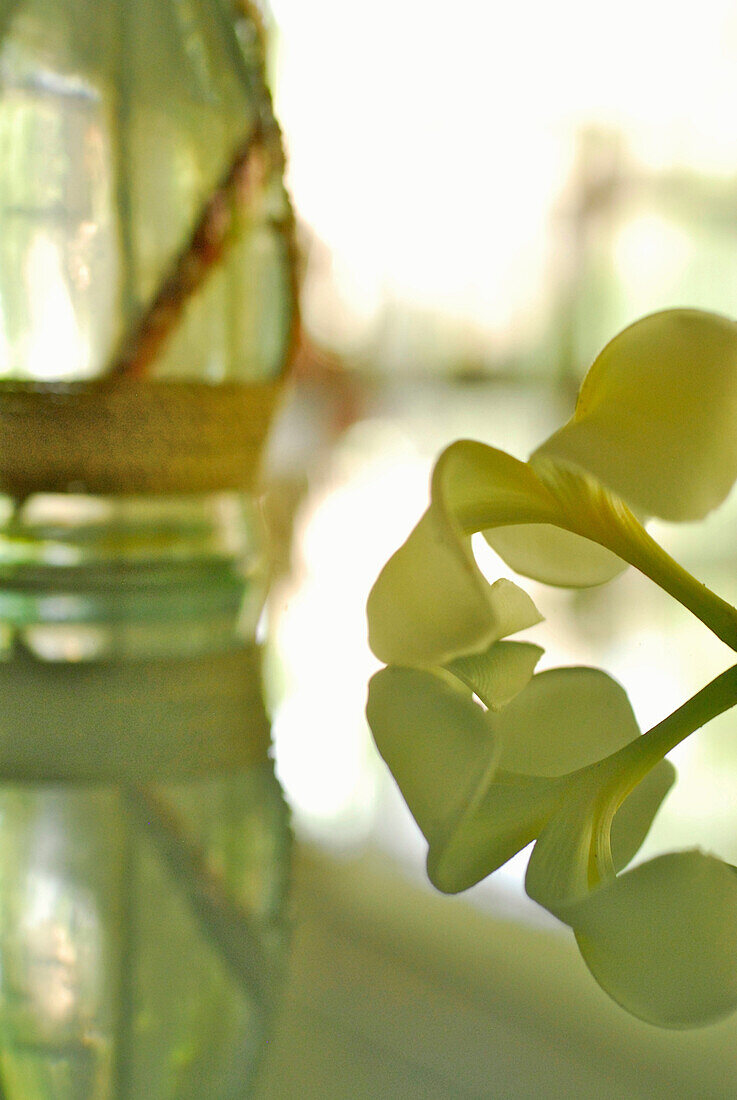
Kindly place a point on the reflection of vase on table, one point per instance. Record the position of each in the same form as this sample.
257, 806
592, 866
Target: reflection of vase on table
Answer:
145, 306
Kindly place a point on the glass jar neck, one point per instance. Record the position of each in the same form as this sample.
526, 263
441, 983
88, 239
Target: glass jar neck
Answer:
92, 578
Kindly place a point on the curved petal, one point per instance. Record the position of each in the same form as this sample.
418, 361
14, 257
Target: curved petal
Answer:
436, 742
565, 719
588, 838
499, 823
560, 869
441, 750
431, 602
662, 939
581, 844
633, 819
655, 416
499, 673
554, 556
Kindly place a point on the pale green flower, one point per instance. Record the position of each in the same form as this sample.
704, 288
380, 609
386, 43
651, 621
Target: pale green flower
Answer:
564, 764
482, 784
663, 389
557, 757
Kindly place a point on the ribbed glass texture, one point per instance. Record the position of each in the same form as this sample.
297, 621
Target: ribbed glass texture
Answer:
141, 921
117, 120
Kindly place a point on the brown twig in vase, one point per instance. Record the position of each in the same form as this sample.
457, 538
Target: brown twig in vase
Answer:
204, 250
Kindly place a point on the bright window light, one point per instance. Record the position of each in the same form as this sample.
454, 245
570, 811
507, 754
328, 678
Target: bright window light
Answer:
428, 146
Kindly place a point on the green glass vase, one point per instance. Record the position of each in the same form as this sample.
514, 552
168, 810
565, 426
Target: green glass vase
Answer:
146, 311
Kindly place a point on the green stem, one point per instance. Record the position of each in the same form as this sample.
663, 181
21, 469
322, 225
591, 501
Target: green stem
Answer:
634, 545
629, 765
714, 699
574, 501
587, 508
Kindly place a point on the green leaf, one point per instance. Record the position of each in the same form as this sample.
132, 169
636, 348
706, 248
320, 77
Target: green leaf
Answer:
499, 673
661, 939
656, 413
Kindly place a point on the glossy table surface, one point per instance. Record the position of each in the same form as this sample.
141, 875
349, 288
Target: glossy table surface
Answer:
396, 993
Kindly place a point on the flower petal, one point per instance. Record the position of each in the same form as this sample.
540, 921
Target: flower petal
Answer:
589, 838
431, 602
565, 719
441, 750
634, 817
499, 673
570, 722
436, 742
554, 556
499, 823
661, 939
560, 867
655, 416
444, 752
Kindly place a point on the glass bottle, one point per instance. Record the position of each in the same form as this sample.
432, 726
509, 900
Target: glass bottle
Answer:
143, 838
118, 120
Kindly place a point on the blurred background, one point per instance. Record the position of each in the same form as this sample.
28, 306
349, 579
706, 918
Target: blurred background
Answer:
486, 194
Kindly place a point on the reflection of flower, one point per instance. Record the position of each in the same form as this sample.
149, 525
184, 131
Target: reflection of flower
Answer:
557, 757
